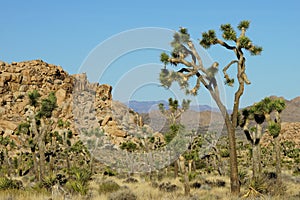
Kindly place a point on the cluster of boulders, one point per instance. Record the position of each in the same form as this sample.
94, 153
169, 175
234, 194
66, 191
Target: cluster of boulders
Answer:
18, 79
290, 131
80, 103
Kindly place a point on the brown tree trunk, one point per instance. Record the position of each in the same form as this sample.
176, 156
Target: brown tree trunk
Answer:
230, 126
278, 158
234, 177
187, 188
255, 162
176, 169
35, 166
41, 146
190, 165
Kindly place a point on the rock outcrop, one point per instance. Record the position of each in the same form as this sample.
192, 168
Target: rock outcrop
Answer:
17, 79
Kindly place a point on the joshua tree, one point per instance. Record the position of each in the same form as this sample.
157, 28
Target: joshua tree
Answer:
185, 53
274, 128
172, 114
261, 112
40, 125
257, 113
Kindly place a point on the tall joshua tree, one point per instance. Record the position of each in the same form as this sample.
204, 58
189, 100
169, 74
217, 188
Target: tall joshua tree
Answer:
185, 54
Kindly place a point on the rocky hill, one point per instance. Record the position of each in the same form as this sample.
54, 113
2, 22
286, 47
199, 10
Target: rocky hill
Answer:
111, 117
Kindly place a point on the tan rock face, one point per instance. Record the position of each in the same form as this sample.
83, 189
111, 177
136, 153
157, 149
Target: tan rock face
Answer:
98, 110
61, 95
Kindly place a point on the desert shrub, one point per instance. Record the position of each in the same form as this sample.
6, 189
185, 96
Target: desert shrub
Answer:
109, 172
196, 185
131, 180
75, 186
224, 153
108, 187
6, 183
242, 177
168, 187
49, 181
122, 195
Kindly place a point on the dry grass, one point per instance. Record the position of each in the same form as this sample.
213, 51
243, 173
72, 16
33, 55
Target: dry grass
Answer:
145, 191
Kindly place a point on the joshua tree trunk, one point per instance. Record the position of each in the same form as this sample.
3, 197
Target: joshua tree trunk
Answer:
187, 188
278, 158
41, 146
190, 165
176, 168
255, 162
230, 126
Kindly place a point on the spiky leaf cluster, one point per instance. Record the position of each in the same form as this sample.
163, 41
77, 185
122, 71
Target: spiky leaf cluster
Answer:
229, 81
47, 106
180, 38
33, 98
274, 129
173, 104
278, 105
208, 38
185, 104
244, 42
167, 77
244, 24
228, 32
164, 58
255, 50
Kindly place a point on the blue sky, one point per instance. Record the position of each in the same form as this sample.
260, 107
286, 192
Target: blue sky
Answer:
66, 32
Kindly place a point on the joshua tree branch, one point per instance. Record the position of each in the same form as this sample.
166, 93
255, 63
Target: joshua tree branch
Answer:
181, 61
195, 53
227, 67
224, 44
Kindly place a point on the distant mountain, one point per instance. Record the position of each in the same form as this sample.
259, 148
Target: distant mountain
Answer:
147, 106
292, 111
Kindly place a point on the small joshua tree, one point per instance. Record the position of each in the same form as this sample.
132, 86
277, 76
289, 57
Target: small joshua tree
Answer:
185, 54
40, 125
172, 114
261, 112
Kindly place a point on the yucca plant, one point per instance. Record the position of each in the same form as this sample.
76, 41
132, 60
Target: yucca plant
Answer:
78, 182
49, 181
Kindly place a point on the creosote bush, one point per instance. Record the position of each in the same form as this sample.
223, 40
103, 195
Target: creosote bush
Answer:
108, 187
124, 194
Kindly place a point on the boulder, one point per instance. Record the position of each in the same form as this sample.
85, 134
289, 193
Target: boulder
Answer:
61, 95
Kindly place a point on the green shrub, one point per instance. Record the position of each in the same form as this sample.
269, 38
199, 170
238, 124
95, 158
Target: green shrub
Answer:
129, 146
108, 187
